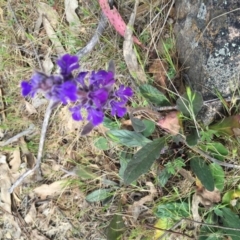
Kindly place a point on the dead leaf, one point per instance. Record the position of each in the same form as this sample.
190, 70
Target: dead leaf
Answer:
5, 184
68, 124
53, 37
35, 235
38, 101
147, 7
236, 132
196, 200
207, 198
170, 123
50, 190
116, 20
138, 207
15, 160
227, 126
30, 108
31, 215
47, 64
1, 15
130, 56
71, 16
49, 12
158, 68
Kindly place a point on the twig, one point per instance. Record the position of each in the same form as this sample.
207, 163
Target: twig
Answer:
40, 149
26, 132
43, 134
211, 225
229, 165
95, 38
166, 231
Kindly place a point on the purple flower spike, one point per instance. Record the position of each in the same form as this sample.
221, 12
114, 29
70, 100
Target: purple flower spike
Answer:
95, 94
26, 88
68, 63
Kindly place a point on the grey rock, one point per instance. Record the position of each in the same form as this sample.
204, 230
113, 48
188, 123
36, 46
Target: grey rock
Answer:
208, 44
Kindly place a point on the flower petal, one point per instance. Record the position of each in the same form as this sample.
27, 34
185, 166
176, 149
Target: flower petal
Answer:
124, 93
102, 78
99, 97
118, 108
26, 88
95, 116
76, 113
80, 78
68, 91
67, 64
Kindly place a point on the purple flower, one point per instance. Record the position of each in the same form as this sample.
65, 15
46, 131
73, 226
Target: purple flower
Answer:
26, 88
124, 93
102, 79
93, 91
99, 97
68, 90
95, 116
76, 113
118, 108
67, 64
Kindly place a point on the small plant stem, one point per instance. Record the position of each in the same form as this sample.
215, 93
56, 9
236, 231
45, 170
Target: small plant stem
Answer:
200, 152
40, 149
43, 136
95, 38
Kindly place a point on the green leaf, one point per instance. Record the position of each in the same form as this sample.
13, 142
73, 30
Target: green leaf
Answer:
108, 123
215, 149
153, 95
190, 104
85, 172
101, 143
226, 126
192, 138
98, 195
128, 138
150, 128
173, 210
163, 177
203, 172
116, 228
230, 219
143, 160
124, 158
230, 195
218, 175
137, 124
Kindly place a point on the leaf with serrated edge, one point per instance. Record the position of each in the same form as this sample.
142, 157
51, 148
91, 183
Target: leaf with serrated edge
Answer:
143, 160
